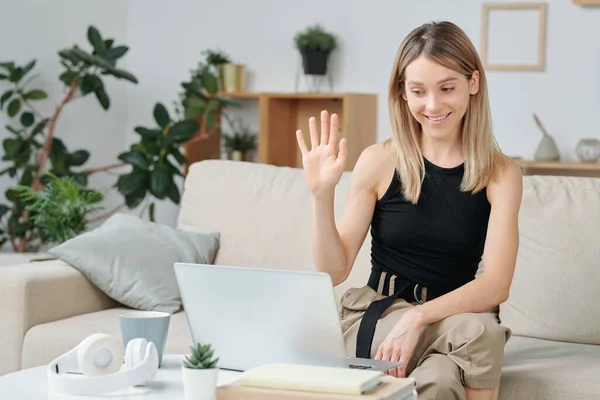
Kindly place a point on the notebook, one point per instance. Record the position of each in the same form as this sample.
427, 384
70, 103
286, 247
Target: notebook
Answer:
311, 378
390, 388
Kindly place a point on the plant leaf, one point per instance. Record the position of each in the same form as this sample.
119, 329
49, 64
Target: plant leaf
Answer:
28, 67
121, 74
115, 53
182, 131
135, 199
151, 212
96, 40
16, 75
161, 116
210, 82
7, 95
67, 77
27, 119
136, 180
36, 95
78, 158
11, 146
180, 158
90, 83
14, 107
212, 105
173, 192
226, 101
147, 133
3, 77
136, 159
159, 180
211, 119
102, 98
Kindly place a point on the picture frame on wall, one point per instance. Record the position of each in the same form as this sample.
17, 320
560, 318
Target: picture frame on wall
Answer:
513, 36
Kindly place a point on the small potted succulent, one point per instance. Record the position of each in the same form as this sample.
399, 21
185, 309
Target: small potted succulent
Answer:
315, 45
200, 373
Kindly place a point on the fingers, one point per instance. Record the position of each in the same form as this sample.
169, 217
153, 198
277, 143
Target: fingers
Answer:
301, 142
314, 135
404, 357
334, 132
324, 128
395, 357
343, 154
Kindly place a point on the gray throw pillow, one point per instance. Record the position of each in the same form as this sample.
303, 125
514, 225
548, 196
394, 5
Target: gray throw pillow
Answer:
131, 260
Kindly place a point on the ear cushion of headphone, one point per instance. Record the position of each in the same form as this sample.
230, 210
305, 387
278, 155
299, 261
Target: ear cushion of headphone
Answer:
99, 354
135, 351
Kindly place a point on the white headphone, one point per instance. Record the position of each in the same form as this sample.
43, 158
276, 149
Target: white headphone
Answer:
99, 365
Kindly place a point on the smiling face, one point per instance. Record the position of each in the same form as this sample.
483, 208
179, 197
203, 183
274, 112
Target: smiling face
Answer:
437, 96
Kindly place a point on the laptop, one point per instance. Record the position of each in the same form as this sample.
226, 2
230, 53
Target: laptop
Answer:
256, 316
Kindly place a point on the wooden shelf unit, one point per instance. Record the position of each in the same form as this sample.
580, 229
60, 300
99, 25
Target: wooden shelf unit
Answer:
281, 114
559, 168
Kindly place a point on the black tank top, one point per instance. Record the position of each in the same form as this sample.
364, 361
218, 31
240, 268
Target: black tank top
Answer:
439, 241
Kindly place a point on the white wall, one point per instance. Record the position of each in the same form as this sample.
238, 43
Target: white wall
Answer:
167, 38
39, 29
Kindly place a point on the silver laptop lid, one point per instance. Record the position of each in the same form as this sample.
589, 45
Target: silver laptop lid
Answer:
256, 316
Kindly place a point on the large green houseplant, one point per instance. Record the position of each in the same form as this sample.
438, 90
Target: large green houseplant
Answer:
202, 97
33, 138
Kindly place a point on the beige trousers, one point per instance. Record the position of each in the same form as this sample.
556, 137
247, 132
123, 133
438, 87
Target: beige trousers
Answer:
461, 350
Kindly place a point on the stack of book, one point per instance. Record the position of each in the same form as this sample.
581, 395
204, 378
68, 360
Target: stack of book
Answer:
303, 382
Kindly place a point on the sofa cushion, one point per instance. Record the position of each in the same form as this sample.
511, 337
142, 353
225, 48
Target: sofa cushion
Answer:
47, 341
555, 291
268, 221
538, 369
131, 260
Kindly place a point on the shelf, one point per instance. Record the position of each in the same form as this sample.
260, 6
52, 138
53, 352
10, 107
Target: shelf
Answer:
281, 114
586, 2
288, 95
559, 168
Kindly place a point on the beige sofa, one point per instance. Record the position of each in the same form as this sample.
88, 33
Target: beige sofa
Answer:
264, 216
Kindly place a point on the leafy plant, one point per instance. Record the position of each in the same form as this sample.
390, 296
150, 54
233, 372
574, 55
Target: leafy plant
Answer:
201, 357
60, 210
200, 98
242, 139
315, 38
34, 142
156, 160
216, 57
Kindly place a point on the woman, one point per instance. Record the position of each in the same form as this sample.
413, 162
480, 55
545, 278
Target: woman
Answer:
439, 197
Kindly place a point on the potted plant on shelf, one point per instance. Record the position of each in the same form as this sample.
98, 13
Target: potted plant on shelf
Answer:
241, 143
315, 45
200, 373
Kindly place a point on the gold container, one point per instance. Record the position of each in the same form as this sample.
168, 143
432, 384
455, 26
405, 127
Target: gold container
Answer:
233, 77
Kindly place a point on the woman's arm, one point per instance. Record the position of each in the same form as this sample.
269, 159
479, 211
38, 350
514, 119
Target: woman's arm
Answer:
335, 247
500, 255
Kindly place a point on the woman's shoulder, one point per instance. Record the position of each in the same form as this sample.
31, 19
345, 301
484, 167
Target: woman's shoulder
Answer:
507, 180
376, 165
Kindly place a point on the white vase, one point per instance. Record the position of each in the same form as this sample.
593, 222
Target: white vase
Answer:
588, 150
200, 384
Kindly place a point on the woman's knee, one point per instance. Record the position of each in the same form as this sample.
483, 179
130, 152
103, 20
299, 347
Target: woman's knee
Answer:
438, 377
479, 328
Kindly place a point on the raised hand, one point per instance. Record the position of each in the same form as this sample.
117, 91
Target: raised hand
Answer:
324, 163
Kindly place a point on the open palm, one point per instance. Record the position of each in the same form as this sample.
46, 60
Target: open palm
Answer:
324, 163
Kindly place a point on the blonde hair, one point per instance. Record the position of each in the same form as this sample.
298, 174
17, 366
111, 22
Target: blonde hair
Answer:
447, 45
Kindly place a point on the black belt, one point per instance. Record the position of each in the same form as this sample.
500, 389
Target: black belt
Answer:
404, 289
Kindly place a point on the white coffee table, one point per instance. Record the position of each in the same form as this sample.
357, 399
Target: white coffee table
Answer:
31, 384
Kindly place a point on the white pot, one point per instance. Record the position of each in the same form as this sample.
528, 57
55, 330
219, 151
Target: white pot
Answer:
200, 384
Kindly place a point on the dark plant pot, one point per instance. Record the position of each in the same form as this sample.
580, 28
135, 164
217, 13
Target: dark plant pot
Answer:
315, 62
